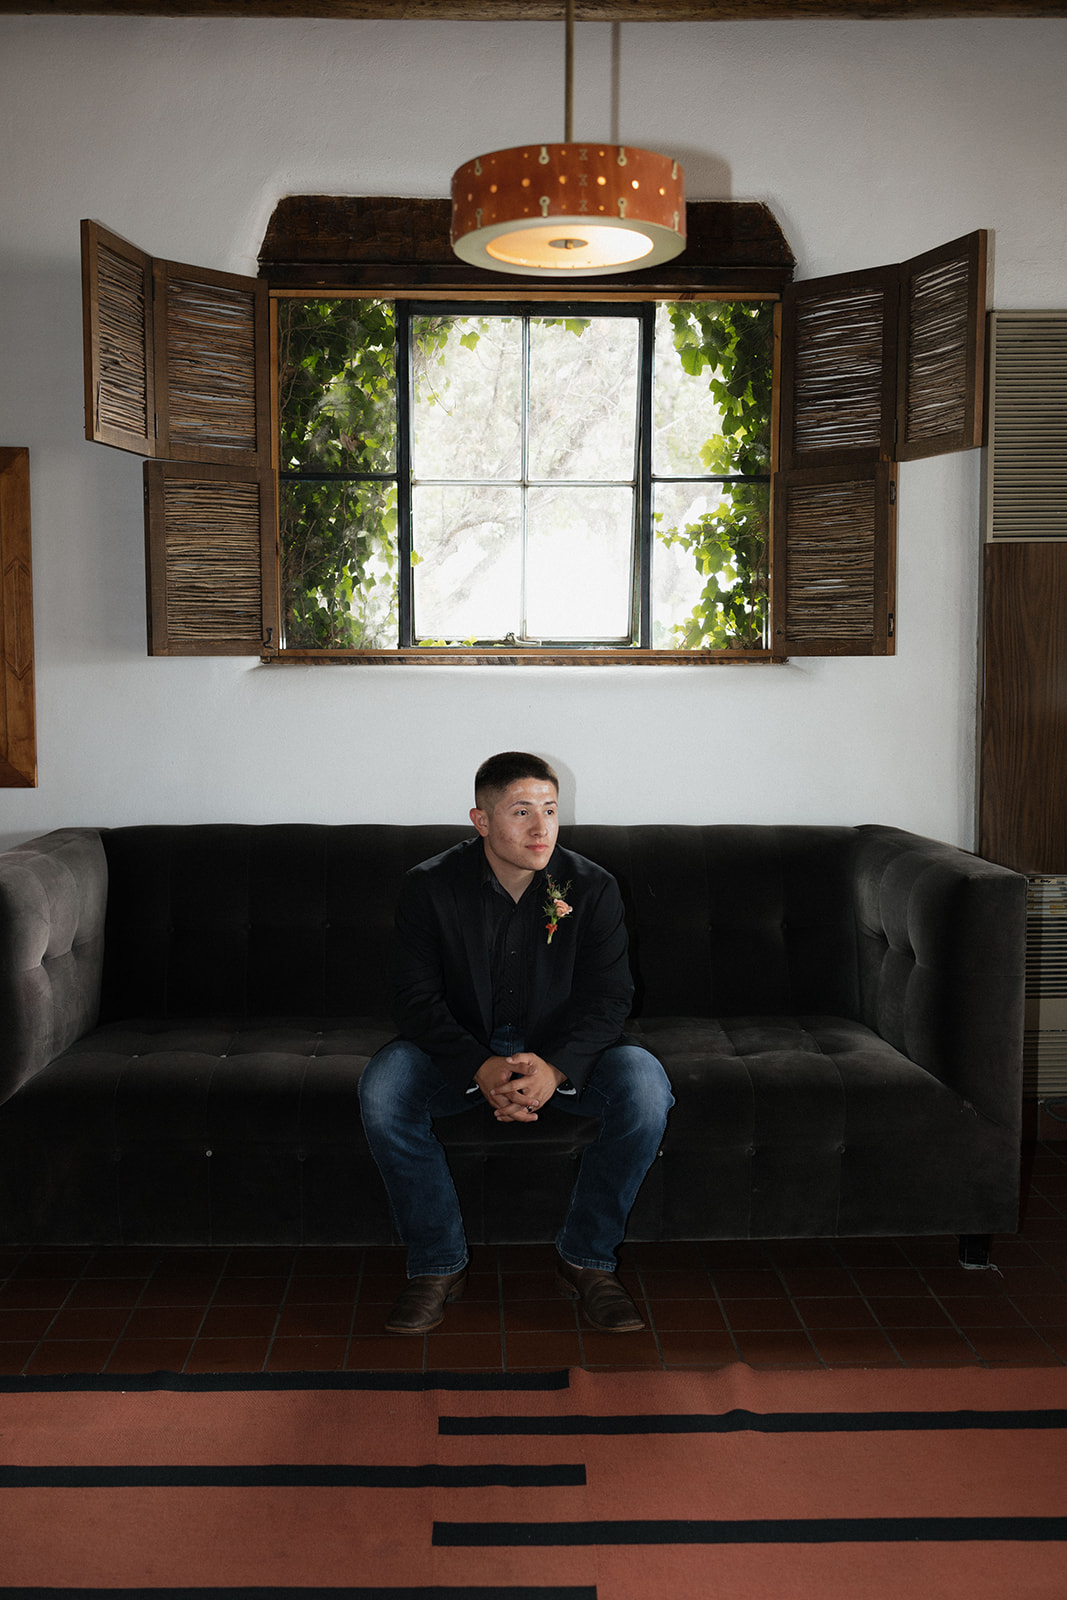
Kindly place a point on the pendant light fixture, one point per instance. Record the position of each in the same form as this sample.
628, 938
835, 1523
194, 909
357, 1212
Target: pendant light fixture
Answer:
568, 210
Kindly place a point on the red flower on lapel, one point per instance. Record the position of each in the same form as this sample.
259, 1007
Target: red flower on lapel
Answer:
555, 906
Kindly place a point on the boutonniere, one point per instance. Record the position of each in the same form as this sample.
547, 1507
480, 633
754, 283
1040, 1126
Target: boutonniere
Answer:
555, 906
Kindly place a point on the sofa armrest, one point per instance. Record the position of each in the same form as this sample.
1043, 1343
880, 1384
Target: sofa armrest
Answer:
942, 958
53, 899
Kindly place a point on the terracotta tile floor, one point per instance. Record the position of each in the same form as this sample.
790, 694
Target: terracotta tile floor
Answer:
798, 1303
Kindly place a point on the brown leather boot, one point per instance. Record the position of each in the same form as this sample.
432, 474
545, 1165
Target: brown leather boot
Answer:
601, 1296
421, 1305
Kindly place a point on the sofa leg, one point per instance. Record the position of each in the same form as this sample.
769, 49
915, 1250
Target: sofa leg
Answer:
974, 1250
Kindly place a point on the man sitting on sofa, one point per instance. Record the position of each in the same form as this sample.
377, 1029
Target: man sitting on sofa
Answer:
513, 982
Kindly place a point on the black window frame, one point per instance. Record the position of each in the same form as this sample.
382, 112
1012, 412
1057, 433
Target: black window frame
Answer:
640, 308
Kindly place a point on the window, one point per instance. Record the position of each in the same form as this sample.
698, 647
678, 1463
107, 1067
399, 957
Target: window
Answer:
581, 476
876, 367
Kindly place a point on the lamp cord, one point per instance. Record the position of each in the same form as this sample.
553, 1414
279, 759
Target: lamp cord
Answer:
568, 82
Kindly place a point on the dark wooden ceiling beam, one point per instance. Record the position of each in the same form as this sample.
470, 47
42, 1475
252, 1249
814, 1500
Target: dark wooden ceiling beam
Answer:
542, 10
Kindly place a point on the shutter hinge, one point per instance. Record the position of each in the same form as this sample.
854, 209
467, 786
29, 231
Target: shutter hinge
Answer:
892, 493
890, 625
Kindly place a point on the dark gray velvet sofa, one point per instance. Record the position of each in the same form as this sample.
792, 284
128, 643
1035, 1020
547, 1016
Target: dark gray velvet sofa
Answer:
185, 1012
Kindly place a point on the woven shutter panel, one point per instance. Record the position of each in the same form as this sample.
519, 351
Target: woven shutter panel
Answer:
177, 368
833, 561
940, 377
839, 338
117, 331
878, 366
176, 357
212, 367
212, 561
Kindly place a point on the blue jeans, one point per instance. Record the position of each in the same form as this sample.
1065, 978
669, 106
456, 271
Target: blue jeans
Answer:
401, 1092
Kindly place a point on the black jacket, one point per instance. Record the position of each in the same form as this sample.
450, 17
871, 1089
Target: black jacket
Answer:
579, 990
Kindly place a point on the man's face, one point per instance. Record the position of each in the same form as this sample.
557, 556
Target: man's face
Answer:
520, 830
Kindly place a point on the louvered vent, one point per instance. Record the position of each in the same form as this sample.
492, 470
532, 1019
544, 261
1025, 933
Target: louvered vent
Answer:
1026, 463
831, 561
212, 560
211, 340
122, 392
1045, 1039
837, 382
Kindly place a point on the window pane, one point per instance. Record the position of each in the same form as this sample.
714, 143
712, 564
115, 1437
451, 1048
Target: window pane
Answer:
712, 388
709, 566
583, 398
337, 385
339, 565
579, 564
467, 556
467, 397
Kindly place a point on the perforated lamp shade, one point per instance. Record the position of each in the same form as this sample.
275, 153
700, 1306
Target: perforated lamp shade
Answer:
570, 210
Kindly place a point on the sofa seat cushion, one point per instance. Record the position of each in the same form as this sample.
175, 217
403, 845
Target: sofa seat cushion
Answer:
812, 1081
815, 1126
173, 1132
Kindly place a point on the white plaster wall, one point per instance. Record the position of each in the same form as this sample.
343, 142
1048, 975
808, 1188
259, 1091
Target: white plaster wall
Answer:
871, 141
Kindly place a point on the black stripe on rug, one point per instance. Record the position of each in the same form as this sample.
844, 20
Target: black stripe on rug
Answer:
757, 1422
315, 1592
783, 1530
328, 1476
236, 1382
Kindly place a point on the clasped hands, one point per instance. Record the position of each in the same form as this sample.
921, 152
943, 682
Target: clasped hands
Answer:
517, 1086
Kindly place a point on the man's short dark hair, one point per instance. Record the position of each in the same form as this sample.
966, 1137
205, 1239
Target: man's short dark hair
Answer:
495, 775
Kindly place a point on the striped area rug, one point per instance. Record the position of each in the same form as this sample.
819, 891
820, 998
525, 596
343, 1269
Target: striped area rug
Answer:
842, 1485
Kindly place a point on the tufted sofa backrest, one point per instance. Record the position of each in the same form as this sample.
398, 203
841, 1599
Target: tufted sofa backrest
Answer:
297, 919
281, 919
922, 942
733, 919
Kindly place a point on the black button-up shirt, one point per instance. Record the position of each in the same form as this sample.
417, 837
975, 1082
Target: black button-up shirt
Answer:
510, 926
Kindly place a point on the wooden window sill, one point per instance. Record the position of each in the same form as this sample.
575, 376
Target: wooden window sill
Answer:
508, 656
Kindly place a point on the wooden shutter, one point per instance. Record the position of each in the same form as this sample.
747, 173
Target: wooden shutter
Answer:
177, 368
839, 364
212, 367
941, 371
886, 364
878, 366
117, 331
212, 559
833, 561
176, 357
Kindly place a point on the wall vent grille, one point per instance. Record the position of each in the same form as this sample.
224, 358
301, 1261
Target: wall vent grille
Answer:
1026, 462
1045, 1038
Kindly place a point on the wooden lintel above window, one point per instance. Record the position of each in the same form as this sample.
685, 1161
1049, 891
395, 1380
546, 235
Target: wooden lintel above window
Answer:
335, 241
